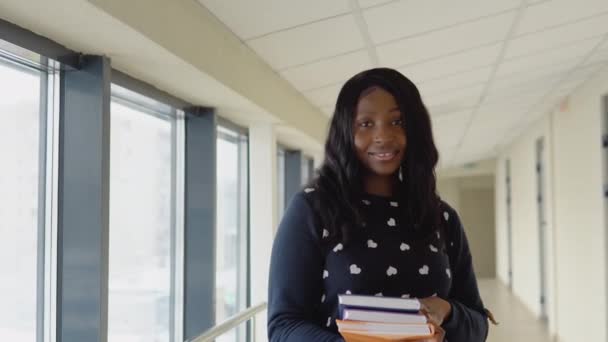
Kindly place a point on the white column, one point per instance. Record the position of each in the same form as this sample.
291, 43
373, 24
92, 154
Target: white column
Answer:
263, 212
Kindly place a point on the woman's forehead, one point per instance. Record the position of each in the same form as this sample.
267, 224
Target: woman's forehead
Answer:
377, 100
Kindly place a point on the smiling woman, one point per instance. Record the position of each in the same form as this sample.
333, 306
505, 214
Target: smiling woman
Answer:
371, 223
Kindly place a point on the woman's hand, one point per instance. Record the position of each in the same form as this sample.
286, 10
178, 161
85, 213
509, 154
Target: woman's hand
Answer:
435, 309
438, 337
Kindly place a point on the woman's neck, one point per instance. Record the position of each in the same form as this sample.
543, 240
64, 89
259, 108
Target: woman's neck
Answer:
379, 186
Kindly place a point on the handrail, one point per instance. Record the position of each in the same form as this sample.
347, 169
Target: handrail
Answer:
230, 323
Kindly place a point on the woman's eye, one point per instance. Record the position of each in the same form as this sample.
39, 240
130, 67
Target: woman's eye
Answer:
398, 122
365, 124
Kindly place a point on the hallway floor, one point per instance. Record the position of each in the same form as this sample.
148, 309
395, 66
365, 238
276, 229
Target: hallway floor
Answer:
516, 322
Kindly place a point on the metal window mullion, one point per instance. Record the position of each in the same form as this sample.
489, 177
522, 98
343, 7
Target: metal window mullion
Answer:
42, 180
200, 182
83, 202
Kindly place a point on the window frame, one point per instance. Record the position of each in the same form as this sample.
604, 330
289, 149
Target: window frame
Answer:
238, 135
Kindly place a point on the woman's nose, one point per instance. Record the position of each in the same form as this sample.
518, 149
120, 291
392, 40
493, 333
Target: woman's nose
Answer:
382, 135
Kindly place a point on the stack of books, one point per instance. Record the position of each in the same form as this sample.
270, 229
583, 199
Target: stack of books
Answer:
371, 318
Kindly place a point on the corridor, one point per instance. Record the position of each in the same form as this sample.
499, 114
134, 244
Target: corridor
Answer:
516, 322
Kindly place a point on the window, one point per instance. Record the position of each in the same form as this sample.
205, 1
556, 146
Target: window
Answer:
21, 151
141, 244
232, 229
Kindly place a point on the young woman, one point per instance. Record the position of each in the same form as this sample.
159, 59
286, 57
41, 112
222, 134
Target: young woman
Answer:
371, 222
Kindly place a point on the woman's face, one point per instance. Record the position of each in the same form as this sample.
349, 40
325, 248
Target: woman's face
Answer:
379, 132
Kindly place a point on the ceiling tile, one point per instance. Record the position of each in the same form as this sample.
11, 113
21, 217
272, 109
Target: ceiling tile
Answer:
511, 135
446, 66
553, 56
448, 108
408, 18
329, 110
448, 129
482, 136
491, 116
560, 36
557, 12
249, 19
327, 72
502, 88
463, 79
583, 73
448, 118
514, 107
371, 3
600, 55
444, 42
513, 104
309, 43
570, 85
463, 157
324, 97
468, 96
523, 77
515, 100
481, 139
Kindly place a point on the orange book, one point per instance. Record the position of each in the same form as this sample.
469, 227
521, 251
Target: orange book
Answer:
357, 331
355, 337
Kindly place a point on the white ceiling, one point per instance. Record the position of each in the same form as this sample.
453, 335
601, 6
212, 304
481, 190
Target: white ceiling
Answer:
486, 69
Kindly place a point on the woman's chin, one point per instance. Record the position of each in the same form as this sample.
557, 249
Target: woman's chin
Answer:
385, 171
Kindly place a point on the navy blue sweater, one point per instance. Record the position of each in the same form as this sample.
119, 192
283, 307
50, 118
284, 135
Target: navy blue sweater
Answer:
307, 273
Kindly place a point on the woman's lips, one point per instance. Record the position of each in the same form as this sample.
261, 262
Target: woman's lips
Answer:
384, 156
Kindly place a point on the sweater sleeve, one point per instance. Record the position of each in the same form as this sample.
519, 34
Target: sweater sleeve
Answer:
468, 321
296, 278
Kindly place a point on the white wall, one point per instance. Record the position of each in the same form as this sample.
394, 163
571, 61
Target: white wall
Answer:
524, 221
581, 248
575, 244
449, 190
473, 198
477, 215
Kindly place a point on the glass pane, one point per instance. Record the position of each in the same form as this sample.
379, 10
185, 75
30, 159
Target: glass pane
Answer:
19, 152
230, 233
140, 226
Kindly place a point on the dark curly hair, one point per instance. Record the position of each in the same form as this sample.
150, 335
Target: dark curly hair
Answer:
339, 180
